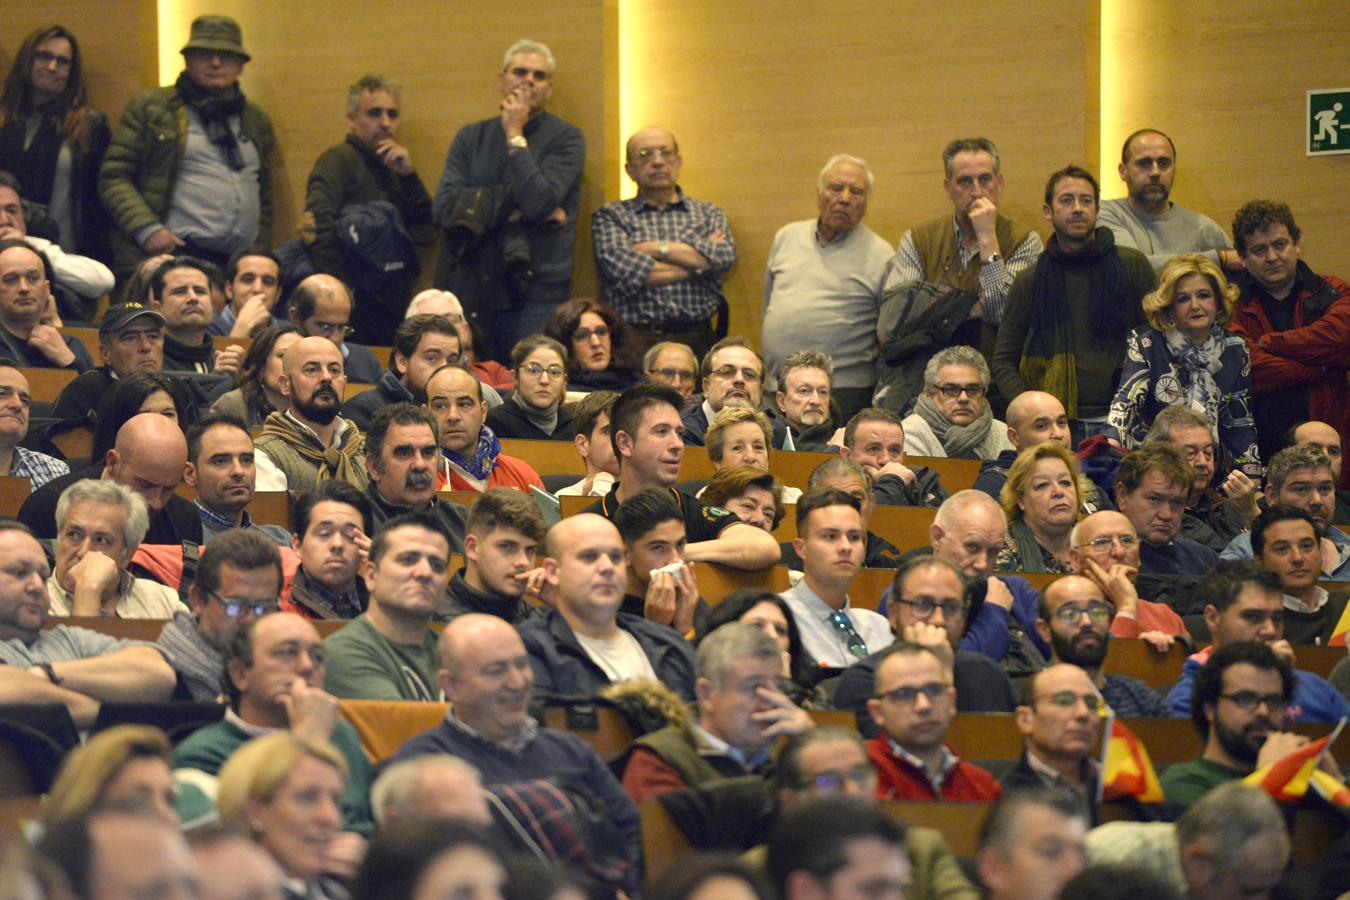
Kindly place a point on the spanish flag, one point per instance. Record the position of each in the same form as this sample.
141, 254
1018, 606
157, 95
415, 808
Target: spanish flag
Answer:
1338, 634
1331, 790
1128, 772
1287, 779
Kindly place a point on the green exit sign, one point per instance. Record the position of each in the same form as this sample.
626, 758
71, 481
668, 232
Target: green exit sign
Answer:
1328, 122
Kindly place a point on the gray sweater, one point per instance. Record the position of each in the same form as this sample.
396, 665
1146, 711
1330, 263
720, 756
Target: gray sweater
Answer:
1160, 237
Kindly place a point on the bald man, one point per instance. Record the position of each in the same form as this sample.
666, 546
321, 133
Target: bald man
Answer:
661, 254
584, 643
486, 675
149, 457
321, 306
1034, 418
310, 442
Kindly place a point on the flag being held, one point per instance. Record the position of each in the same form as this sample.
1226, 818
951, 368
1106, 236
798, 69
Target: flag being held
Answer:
1128, 772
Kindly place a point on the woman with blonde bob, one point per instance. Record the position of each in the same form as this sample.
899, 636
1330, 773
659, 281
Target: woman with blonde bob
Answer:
743, 437
123, 767
1042, 499
1187, 356
286, 791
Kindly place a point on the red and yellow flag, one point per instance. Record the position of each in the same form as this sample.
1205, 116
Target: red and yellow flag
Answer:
1331, 790
1128, 772
1338, 634
1287, 778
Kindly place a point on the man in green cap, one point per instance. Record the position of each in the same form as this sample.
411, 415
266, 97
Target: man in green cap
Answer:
208, 192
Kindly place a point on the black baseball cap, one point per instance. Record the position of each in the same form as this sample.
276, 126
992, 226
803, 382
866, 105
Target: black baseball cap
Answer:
119, 315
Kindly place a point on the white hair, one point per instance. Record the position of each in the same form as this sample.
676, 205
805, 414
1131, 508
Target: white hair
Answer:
844, 158
111, 493
415, 305
396, 784
955, 507
525, 45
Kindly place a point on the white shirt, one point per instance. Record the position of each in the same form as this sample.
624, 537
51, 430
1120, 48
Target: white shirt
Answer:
142, 599
621, 657
828, 645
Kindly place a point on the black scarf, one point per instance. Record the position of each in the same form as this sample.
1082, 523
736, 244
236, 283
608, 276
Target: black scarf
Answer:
33, 163
215, 111
1108, 280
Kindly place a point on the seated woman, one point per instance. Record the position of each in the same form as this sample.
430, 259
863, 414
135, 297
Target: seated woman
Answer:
767, 611
1042, 499
743, 437
123, 767
1187, 356
600, 344
754, 495
285, 791
257, 393
131, 396
534, 411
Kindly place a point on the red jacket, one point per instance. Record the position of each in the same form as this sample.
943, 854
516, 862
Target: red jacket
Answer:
898, 780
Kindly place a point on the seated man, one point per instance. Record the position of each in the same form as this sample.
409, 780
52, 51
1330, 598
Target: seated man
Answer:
1285, 540
830, 540
252, 287
732, 375
85, 277
180, 291
1243, 602
952, 415
331, 536
662, 585
321, 306
1105, 548
673, 364
584, 642
502, 537
827, 846
401, 457
847, 476
1075, 616
913, 704
875, 440
422, 344
120, 853
1060, 722
929, 608
388, 652
1324, 438
645, 430
805, 380
1153, 486
1302, 477
493, 375
220, 466
590, 417
274, 677
487, 677
1215, 512
1233, 842
741, 714
434, 786
99, 525
237, 580
75, 667
17, 461
1238, 704
310, 442
472, 457
1031, 844
25, 298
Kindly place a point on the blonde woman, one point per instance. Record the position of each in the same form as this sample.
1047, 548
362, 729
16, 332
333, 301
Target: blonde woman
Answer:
739, 436
1186, 356
123, 767
1043, 499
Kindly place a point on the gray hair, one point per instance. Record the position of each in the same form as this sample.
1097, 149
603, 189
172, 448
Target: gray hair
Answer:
805, 359
1229, 817
111, 493
1290, 459
733, 641
396, 784
957, 505
1178, 415
955, 356
968, 145
526, 45
415, 305
844, 158
839, 467
370, 84
655, 350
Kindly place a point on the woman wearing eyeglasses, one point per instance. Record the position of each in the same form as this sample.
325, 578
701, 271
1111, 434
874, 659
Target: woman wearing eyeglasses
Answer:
53, 141
952, 416
534, 410
1042, 499
601, 346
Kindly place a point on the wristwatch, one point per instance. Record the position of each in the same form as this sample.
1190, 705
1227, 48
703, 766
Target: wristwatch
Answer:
664, 250
518, 142
993, 258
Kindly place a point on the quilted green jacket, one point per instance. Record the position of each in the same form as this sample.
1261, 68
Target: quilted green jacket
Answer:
139, 169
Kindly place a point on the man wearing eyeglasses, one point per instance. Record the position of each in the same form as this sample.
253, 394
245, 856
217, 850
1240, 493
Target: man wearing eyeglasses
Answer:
732, 375
321, 306
1075, 618
422, 344
238, 579
1153, 486
914, 703
952, 416
507, 205
1244, 602
1060, 720
672, 363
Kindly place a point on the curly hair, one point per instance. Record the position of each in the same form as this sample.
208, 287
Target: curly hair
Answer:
1258, 215
566, 319
1158, 303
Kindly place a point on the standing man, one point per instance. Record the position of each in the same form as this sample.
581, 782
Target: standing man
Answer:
823, 286
507, 202
1067, 317
369, 166
977, 248
661, 254
189, 167
1148, 221
1298, 372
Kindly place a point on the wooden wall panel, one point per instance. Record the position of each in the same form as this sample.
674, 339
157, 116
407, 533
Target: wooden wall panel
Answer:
1229, 87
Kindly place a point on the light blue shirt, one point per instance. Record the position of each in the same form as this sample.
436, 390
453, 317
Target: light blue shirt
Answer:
828, 645
215, 206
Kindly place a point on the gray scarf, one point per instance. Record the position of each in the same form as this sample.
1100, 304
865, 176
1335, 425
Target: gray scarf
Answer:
201, 666
546, 420
960, 441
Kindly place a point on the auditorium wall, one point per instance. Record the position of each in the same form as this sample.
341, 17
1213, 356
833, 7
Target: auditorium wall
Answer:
760, 94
